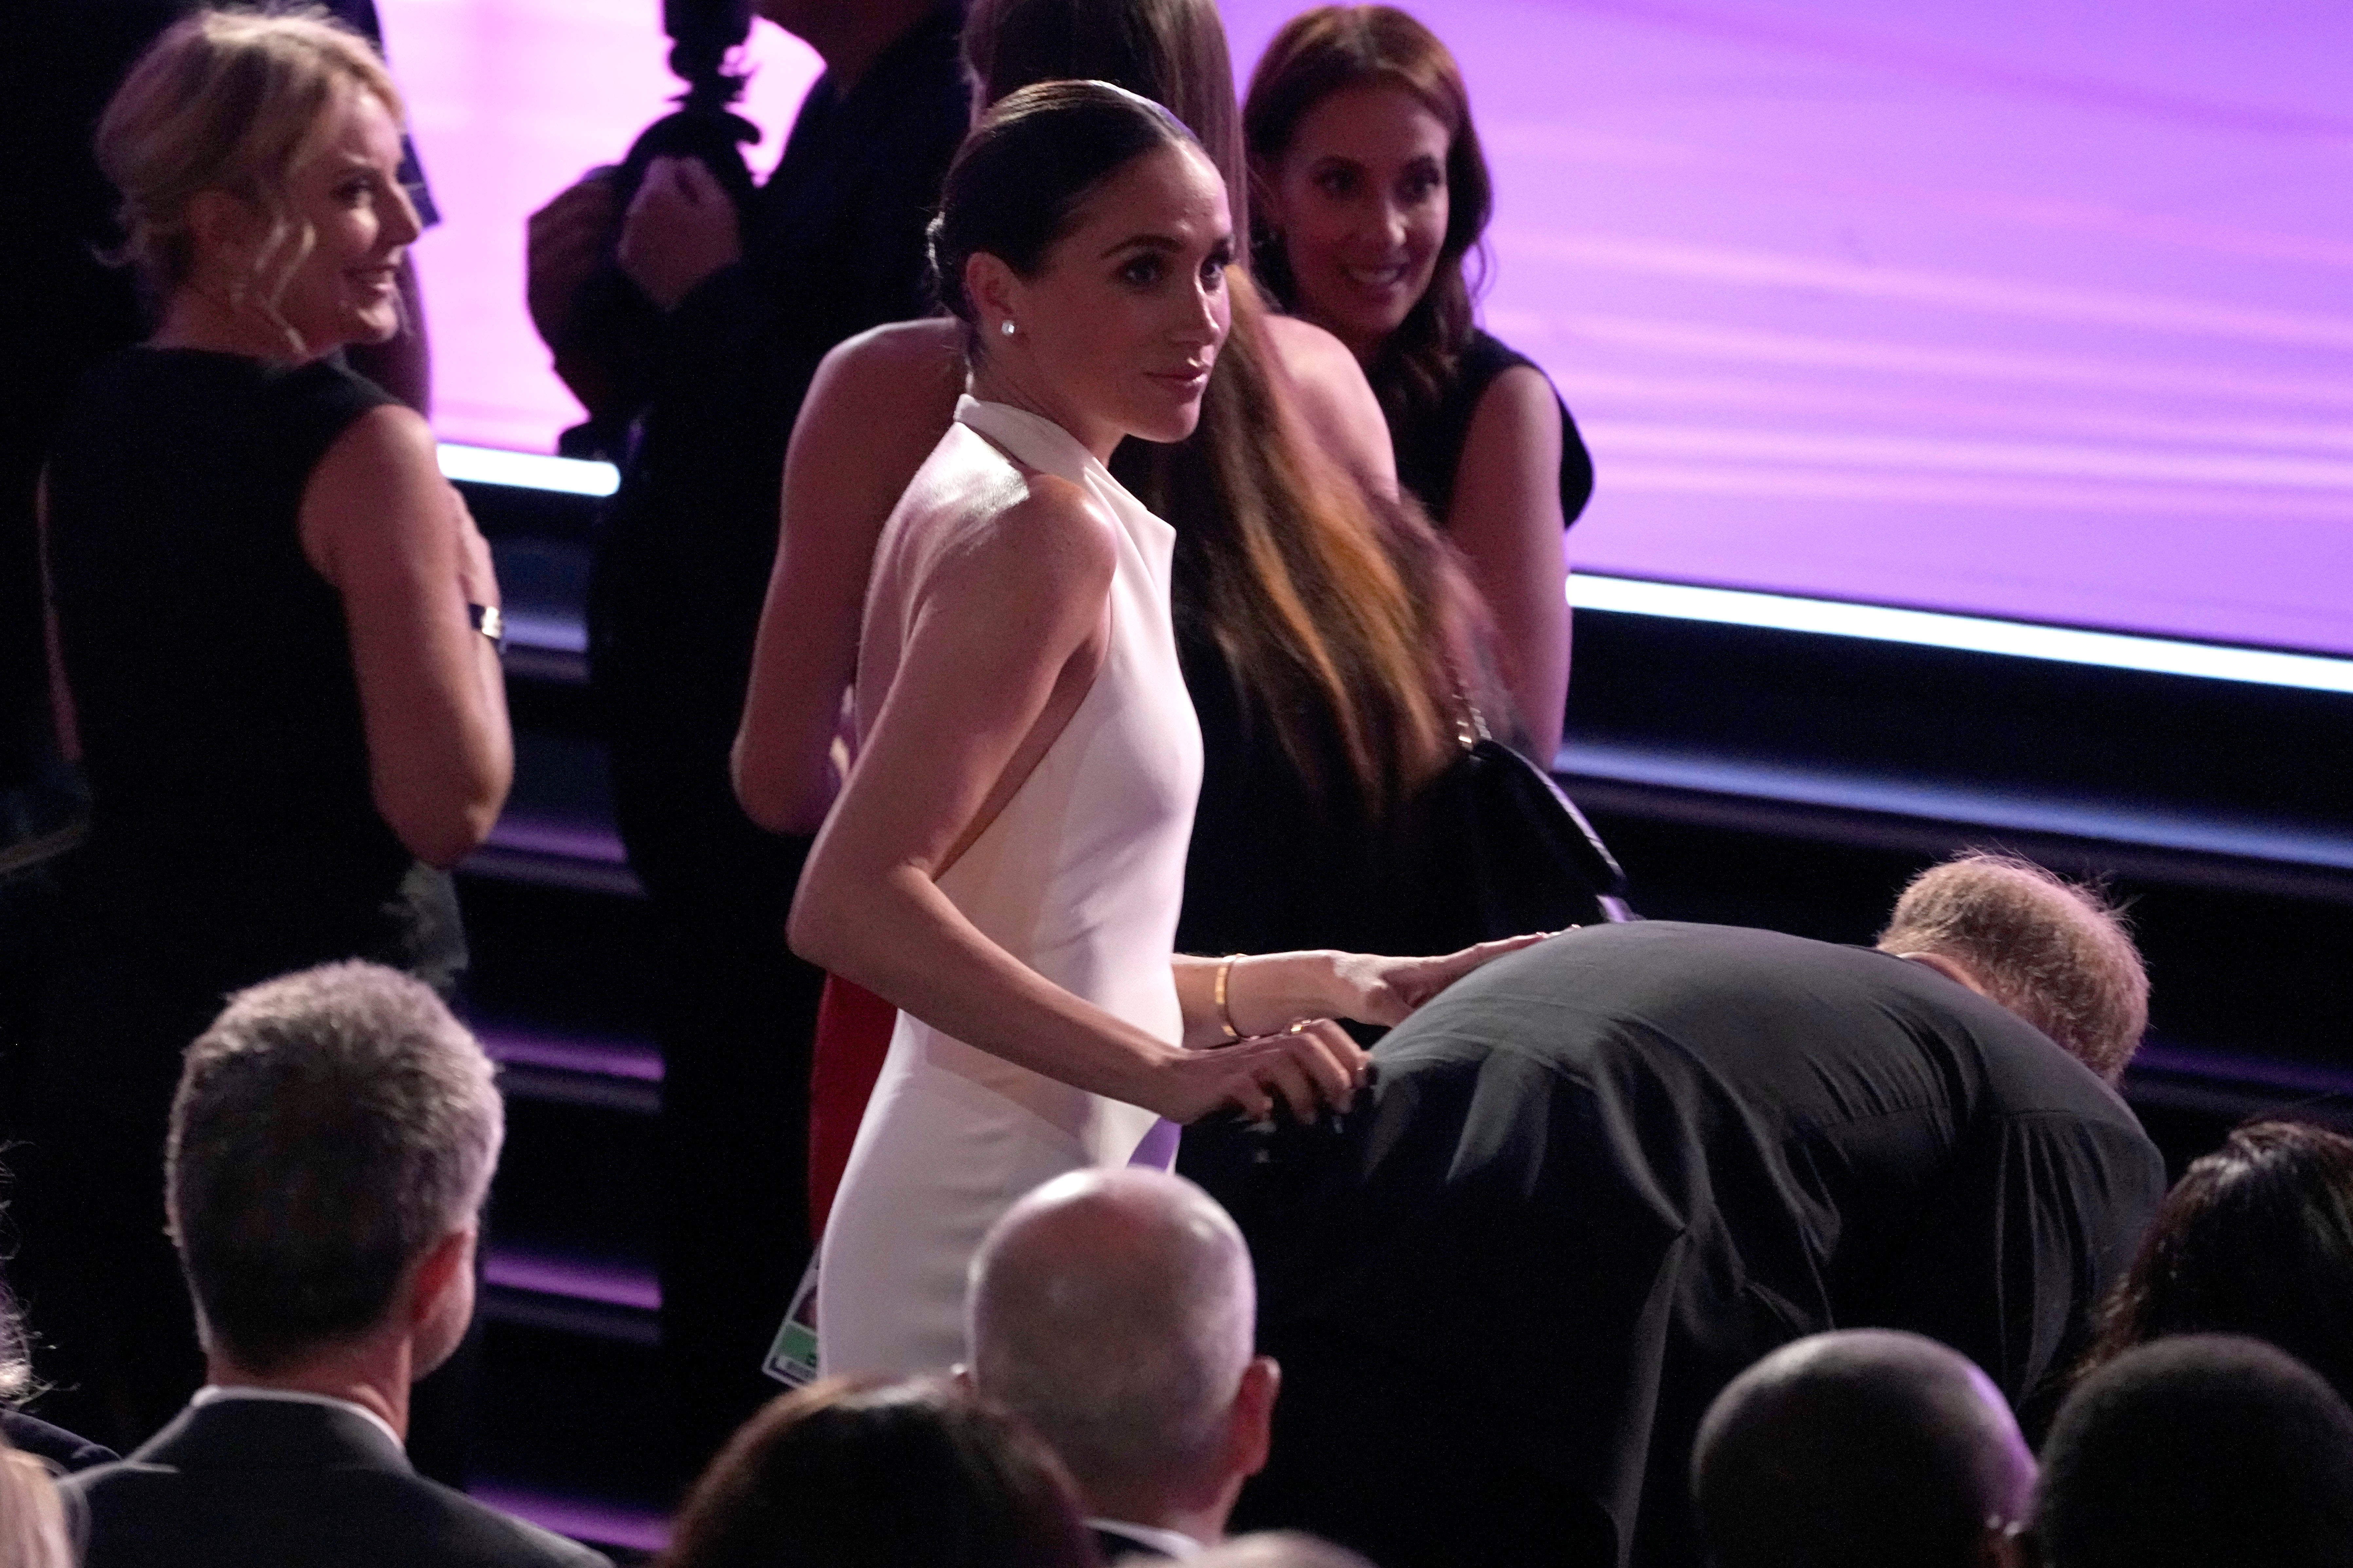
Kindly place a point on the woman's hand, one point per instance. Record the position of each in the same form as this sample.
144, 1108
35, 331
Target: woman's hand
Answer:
1384, 991
1307, 1067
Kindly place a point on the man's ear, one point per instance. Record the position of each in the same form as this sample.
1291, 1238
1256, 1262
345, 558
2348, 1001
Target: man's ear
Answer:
1250, 1436
445, 1263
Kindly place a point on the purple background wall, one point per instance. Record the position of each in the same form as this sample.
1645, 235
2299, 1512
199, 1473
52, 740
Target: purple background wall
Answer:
2031, 308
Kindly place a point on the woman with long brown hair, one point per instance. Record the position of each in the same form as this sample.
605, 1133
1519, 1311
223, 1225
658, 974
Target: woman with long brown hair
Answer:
1322, 628
1372, 197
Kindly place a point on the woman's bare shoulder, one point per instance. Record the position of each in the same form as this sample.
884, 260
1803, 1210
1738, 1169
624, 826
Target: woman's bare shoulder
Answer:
931, 348
1307, 350
1018, 530
1336, 400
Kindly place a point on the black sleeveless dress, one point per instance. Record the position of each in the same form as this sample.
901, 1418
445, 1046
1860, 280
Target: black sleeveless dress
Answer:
1279, 861
1428, 440
233, 835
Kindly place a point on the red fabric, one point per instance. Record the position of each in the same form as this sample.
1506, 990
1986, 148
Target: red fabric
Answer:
853, 1036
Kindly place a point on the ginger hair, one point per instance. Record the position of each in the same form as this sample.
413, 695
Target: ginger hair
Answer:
2055, 952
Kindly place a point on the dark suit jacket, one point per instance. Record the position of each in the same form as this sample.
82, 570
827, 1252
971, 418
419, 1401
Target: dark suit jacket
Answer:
1595, 1180
243, 1483
60, 1448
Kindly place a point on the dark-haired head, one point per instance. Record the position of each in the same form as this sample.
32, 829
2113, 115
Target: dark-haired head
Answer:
1083, 239
908, 1475
2256, 1238
1857, 1448
1033, 160
2198, 1451
1170, 51
1393, 69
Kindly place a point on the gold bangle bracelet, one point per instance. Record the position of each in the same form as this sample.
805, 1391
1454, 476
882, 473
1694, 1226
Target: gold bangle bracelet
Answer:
1225, 1012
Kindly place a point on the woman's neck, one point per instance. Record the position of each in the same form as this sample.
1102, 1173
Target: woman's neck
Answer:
197, 318
993, 382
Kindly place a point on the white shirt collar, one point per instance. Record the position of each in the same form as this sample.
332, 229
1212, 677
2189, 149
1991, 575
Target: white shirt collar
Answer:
1167, 1542
212, 1393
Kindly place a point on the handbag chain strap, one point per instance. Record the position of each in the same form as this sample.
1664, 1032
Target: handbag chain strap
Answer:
1469, 725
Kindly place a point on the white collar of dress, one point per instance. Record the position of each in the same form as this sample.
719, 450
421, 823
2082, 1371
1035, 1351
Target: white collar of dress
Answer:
1031, 438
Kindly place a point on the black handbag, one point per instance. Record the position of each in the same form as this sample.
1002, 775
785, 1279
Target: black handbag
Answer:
1509, 852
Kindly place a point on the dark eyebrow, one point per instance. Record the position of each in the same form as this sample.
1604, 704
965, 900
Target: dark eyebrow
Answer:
1159, 242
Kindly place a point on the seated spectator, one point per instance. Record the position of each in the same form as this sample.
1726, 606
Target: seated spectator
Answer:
1594, 1181
2198, 1451
1279, 1549
2256, 1238
903, 1475
1861, 1448
32, 1521
55, 1447
331, 1142
1112, 1310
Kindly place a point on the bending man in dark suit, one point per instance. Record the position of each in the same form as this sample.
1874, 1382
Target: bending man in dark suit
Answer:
1595, 1181
331, 1141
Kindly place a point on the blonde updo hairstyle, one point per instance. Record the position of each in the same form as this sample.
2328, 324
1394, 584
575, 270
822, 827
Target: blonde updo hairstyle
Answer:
231, 101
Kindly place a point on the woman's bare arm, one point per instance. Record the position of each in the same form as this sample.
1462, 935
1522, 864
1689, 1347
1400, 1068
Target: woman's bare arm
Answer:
382, 525
1507, 522
1336, 403
1004, 647
877, 407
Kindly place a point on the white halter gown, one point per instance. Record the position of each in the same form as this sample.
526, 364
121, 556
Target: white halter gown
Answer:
1079, 876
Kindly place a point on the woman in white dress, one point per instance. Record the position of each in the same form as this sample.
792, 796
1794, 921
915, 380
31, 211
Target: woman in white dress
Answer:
1005, 862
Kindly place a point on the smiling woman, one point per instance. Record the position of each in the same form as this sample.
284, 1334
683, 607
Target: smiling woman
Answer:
264, 601
1373, 194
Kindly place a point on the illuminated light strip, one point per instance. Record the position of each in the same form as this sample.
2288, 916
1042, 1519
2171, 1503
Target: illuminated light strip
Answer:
1968, 633
528, 470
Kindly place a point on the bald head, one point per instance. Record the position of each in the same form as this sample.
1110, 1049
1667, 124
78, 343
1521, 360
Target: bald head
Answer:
2055, 953
1863, 1448
1114, 1310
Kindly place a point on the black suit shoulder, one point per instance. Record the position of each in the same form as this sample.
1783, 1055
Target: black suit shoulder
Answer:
294, 1486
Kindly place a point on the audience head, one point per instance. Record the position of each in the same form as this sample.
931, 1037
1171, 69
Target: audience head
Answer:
32, 1516
333, 1135
1087, 220
908, 1475
1114, 1312
1861, 1448
1170, 51
2198, 1451
1371, 189
258, 157
2057, 954
2256, 1238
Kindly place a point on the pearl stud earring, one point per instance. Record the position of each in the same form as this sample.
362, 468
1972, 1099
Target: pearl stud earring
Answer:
1006, 328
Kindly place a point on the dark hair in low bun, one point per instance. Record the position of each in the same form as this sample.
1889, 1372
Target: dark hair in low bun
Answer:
1019, 177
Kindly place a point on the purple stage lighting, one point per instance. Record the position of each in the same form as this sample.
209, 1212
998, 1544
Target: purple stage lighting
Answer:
2037, 310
